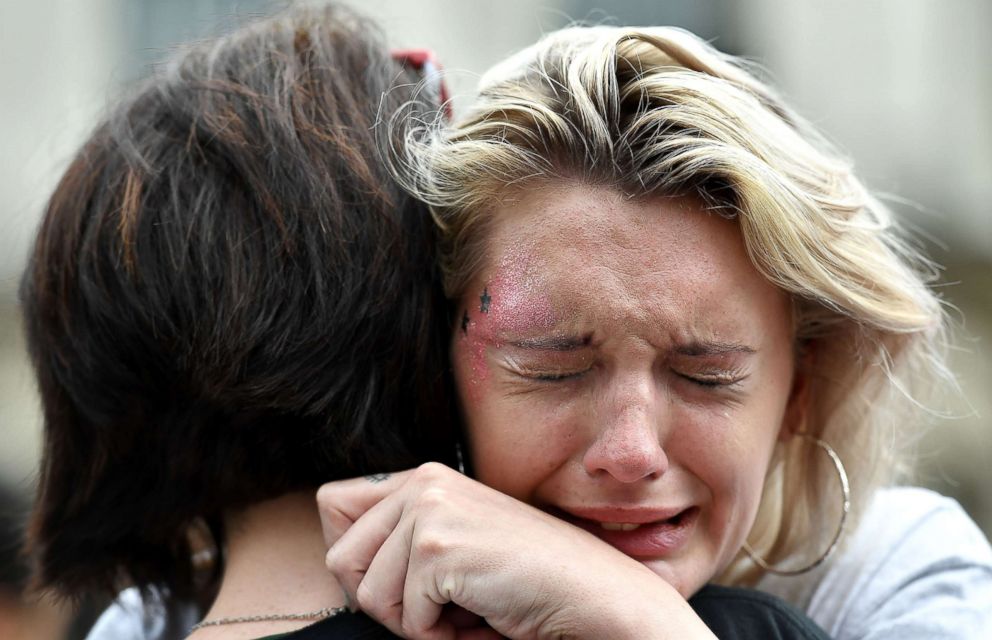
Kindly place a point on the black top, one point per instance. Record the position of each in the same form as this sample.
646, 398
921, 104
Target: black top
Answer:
731, 613
741, 614
343, 626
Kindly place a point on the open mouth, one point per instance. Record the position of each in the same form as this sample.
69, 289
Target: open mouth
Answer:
652, 537
674, 521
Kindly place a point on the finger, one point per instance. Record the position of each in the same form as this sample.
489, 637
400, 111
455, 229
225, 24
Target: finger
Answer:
343, 502
380, 592
350, 556
422, 604
384, 592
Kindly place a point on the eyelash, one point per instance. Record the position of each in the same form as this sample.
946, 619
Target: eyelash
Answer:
714, 382
543, 375
554, 377
727, 382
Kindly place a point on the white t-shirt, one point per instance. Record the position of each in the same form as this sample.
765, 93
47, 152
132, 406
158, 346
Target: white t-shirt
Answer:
917, 568
131, 618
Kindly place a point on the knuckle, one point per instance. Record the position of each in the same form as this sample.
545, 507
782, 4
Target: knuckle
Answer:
449, 588
373, 604
367, 601
335, 560
325, 495
329, 498
432, 471
432, 546
432, 497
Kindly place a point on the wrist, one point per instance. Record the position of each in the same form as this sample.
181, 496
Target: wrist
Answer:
649, 607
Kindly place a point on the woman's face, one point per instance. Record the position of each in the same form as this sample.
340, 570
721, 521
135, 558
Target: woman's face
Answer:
621, 364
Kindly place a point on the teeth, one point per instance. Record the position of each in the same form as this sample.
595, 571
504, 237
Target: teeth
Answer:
619, 526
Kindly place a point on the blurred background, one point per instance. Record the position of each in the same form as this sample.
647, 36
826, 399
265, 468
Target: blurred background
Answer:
903, 86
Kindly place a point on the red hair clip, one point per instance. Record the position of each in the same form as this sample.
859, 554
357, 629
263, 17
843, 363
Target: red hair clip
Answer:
425, 62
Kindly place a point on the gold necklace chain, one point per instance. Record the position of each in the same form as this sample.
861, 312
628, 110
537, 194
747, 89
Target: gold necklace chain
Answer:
321, 614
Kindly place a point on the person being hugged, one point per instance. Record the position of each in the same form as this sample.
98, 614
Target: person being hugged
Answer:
685, 341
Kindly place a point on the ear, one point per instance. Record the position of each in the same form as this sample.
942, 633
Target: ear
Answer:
797, 408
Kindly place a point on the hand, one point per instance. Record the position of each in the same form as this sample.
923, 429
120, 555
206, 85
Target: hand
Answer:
405, 545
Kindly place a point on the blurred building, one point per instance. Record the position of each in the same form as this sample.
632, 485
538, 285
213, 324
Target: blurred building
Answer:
904, 86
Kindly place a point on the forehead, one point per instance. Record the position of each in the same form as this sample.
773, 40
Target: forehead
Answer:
578, 245
601, 218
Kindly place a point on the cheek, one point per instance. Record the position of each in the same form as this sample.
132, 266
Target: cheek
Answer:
519, 450
486, 415
732, 461
515, 442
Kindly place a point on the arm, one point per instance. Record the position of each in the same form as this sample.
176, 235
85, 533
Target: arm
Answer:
407, 545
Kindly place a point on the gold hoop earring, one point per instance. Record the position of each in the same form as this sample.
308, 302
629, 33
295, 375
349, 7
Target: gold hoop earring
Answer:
845, 493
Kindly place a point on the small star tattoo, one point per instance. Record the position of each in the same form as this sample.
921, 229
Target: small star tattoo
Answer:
376, 478
485, 298
465, 322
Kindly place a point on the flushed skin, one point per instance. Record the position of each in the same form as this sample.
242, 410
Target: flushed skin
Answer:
654, 390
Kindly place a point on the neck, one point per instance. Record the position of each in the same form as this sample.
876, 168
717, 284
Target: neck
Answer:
274, 565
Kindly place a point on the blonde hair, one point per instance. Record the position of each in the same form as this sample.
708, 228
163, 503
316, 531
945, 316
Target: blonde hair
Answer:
657, 111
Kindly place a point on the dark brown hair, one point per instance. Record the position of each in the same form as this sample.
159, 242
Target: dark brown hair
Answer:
230, 299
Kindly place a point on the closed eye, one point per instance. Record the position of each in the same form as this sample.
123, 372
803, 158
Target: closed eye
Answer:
549, 366
546, 372
555, 376
713, 381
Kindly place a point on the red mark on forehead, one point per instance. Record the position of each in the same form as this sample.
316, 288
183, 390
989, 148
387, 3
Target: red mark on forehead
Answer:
512, 301
520, 300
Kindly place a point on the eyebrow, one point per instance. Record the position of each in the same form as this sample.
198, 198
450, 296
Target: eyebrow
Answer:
574, 343
713, 348
551, 343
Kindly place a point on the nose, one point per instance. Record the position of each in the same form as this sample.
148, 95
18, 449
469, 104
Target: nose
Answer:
630, 432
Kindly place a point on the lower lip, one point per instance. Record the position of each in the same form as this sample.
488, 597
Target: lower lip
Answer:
650, 540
